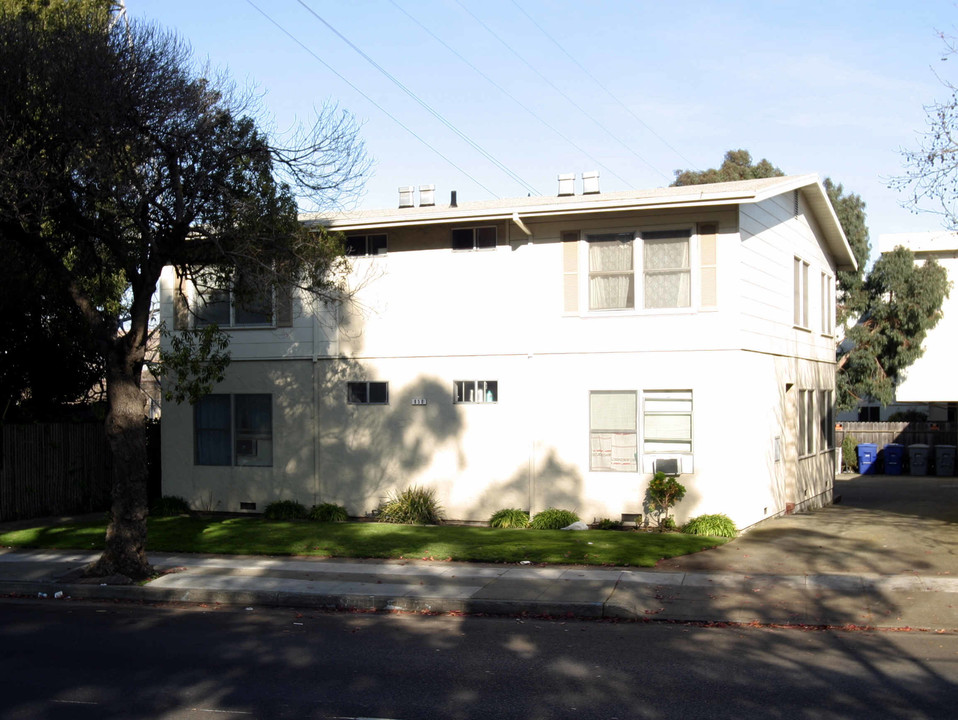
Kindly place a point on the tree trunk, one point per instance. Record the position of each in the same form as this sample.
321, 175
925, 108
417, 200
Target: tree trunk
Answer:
125, 551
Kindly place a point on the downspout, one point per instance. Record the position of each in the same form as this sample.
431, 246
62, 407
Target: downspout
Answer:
529, 384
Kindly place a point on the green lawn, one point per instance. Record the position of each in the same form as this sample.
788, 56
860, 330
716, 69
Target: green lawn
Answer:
255, 536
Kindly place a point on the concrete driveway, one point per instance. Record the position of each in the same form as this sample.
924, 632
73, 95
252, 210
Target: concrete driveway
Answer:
883, 524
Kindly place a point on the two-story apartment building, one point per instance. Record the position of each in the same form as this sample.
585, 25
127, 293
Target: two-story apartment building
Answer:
537, 352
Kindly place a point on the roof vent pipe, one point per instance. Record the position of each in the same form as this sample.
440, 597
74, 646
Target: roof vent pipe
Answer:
406, 197
566, 184
427, 195
590, 182
452, 199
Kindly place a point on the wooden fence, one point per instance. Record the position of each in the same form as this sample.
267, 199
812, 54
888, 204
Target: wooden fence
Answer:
54, 469
904, 433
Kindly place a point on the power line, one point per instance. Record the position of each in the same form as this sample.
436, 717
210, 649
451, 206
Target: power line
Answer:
508, 94
596, 81
376, 104
422, 102
551, 84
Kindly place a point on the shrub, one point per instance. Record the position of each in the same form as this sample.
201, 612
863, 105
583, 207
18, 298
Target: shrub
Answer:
509, 518
413, 506
712, 525
850, 453
553, 519
664, 492
328, 512
667, 523
285, 510
607, 524
170, 506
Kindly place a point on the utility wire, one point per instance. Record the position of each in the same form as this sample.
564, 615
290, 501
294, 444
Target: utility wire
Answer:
508, 94
422, 102
380, 107
596, 81
551, 84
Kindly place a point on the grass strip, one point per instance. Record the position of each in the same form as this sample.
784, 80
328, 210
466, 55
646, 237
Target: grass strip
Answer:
255, 536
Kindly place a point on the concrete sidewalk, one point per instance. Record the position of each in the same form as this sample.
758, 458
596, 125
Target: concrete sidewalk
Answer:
891, 601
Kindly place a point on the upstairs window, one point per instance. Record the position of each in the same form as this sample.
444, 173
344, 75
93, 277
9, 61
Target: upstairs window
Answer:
367, 393
476, 391
667, 269
800, 293
478, 238
365, 245
828, 308
611, 272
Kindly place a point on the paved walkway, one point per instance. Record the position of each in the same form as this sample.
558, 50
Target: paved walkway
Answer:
884, 557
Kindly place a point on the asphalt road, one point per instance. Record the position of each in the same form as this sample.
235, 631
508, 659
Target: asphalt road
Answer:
72, 660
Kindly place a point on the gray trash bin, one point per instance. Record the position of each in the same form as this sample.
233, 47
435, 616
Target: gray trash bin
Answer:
918, 459
944, 460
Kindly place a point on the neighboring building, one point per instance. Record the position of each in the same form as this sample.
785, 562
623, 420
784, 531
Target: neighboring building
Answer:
537, 352
929, 385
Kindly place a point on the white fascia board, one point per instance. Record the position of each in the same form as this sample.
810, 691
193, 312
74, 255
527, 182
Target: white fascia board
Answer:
532, 211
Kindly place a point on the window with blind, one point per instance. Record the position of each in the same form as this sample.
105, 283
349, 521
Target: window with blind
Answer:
667, 271
233, 430
667, 421
612, 431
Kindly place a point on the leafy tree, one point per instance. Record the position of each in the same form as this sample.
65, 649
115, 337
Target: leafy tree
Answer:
737, 165
886, 314
664, 491
117, 158
902, 302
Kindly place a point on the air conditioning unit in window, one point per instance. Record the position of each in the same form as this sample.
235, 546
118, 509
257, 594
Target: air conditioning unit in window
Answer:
669, 466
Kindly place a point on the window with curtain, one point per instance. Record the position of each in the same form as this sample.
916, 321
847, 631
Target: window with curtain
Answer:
612, 431
667, 421
667, 269
611, 272
233, 430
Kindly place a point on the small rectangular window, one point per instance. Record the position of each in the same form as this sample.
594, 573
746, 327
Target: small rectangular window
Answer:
365, 245
479, 238
612, 431
367, 393
476, 391
800, 293
828, 309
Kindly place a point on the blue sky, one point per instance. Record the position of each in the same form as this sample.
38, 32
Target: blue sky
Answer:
836, 88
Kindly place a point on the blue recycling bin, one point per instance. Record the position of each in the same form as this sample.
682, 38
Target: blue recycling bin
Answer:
894, 458
919, 459
867, 458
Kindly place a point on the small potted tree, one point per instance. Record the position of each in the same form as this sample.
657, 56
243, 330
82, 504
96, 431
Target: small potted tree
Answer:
664, 492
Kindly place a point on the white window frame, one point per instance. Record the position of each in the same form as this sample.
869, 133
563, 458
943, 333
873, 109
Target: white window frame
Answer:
828, 305
667, 403
685, 233
248, 447
800, 293
475, 392
367, 386
475, 231
613, 442
367, 245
